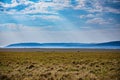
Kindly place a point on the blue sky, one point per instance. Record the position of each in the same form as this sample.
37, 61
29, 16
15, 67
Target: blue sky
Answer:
84, 21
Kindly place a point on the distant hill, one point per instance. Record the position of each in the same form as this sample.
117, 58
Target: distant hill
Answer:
114, 44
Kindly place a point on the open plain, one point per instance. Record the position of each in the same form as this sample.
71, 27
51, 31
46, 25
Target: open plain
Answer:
58, 64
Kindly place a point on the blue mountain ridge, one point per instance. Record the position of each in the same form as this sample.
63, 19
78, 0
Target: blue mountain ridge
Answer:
113, 44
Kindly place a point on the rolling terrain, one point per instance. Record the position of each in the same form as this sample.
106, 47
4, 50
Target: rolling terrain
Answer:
105, 45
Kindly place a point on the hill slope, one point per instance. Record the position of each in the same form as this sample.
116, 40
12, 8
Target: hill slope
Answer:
114, 44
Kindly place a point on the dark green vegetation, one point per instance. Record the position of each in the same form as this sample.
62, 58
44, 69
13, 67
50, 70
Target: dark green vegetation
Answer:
99, 65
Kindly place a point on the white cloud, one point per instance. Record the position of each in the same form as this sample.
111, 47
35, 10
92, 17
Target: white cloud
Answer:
19, 27
98, 21
87, 16
98, 6
39, 7
15, 3
89, 5
53, 6
51, 17
112, 10
81, 4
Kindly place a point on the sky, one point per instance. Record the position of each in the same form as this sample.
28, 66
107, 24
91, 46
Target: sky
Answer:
46, 21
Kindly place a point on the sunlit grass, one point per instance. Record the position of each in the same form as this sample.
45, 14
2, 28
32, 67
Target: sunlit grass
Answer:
60, 65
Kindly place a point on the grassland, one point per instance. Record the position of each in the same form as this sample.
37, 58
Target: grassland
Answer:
97, 65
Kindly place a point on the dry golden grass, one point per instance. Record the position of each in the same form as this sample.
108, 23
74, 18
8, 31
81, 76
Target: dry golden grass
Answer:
60, 65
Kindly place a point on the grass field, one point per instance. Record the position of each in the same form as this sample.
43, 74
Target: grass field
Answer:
97, 65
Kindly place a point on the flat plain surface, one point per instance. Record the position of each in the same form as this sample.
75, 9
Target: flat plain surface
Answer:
57, 64
53, 50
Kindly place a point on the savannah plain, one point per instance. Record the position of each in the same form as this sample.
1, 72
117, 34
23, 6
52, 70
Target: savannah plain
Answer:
60, 65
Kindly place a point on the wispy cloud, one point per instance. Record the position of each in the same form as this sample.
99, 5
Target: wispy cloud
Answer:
94, 6
19, 27
48, 17
43, 6
88, 16
98, 21
33, 7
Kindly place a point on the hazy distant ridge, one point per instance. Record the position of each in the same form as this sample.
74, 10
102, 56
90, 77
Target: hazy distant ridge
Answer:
67, 45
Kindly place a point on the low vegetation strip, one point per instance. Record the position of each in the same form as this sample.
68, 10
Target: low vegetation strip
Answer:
60, 65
